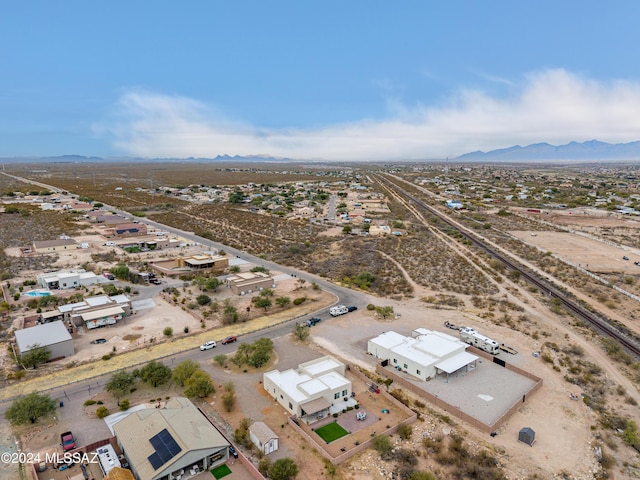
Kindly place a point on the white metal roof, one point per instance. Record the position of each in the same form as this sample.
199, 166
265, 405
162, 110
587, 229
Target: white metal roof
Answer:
98, 300
43, 335
456, 362
421, 358
436, 346
333, 380
288, 382
388, 339
320, 366
105, 312
70, 306
312, 387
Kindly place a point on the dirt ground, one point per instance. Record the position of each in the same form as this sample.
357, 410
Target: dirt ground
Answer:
564, 428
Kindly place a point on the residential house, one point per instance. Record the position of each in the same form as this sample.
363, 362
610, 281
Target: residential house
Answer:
313, 391
175, 441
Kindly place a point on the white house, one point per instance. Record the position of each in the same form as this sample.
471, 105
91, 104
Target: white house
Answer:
424, 355
64, 279
312, 392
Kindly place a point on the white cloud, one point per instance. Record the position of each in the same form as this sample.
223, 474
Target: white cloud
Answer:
552, 106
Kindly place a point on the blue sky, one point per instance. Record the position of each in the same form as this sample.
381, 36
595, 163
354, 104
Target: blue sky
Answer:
360, 80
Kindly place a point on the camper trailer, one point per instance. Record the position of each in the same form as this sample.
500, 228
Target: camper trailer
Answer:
338, 310
470, 336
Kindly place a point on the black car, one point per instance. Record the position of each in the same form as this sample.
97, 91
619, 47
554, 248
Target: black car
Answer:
99, 340
352, 308
232, 451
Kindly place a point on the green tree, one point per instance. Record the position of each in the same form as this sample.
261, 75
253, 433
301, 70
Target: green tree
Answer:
183, 371
120, 384
384, 312
283, 469
301, 332
229, 400
212, 284
155, 373
203, 299
30, 408
229, 314
120, 271
283, 301
199, 385
266, 292
383, 445
262, 302
347, 229
405, 431
220, 359
36, 355
236, 197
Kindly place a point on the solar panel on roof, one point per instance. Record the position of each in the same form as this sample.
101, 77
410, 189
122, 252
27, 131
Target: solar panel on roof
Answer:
165, 448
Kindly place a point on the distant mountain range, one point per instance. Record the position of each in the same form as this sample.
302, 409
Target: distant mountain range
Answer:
592, 150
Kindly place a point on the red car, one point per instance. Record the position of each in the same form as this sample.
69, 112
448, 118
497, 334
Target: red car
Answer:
230, 339
67, 441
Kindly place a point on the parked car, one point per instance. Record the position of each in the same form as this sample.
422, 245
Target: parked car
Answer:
67, 441
312, 321
155, 281
99, 340
230, 339
352, 308
232, 451
208, 345
625, 258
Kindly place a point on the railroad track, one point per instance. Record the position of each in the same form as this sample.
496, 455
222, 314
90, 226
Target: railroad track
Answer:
598, 322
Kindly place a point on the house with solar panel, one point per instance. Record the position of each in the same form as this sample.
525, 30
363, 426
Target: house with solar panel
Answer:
170, 443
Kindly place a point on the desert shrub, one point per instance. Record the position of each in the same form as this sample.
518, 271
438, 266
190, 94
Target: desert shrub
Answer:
89, 402
102, 412
299, 300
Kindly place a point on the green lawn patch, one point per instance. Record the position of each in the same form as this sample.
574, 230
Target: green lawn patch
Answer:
221, 471
331, 432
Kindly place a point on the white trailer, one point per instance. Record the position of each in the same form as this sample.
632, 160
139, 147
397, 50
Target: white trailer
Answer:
100, 322
472, 337
338, 310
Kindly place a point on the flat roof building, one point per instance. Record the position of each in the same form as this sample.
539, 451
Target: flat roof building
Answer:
311, 391
424, 355
54, 336
249, 282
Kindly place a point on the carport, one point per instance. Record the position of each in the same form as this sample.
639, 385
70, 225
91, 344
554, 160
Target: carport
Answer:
456, 363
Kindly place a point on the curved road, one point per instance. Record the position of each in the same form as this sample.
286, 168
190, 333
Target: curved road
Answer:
82, 387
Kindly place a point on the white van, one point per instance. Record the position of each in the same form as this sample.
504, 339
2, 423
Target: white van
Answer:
110, 244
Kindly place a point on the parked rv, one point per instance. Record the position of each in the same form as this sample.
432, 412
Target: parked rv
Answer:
338, 310
472, 337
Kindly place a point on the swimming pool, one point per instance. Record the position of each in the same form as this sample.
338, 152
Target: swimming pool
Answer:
37, 293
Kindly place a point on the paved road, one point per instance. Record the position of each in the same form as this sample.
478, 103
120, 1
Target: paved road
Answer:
91, 385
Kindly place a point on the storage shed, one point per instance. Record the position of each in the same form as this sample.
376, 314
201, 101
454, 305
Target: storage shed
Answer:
263, 438
527, 435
